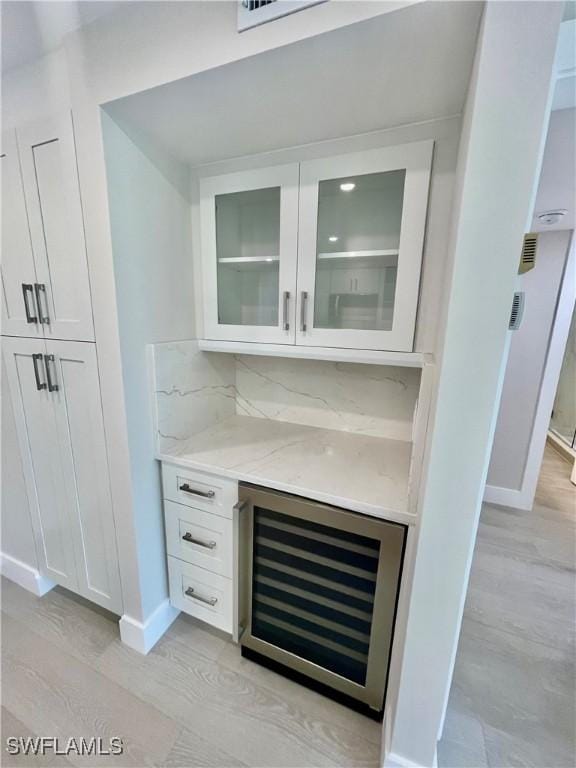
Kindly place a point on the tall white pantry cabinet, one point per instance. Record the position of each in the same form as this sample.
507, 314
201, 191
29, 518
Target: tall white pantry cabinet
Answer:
51, 363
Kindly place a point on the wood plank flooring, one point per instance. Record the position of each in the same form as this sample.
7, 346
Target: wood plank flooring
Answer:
193, 701
512, 701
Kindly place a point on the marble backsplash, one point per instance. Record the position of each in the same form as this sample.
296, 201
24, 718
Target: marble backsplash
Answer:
367, 399
193, 390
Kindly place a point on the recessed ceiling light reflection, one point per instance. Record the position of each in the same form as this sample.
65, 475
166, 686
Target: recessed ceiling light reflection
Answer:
333, 239
348, 186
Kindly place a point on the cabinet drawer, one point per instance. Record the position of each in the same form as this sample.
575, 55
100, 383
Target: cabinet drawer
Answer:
199, 537
202, 594
197, 489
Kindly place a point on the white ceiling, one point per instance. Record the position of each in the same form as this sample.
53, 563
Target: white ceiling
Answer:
398, 68
32, 29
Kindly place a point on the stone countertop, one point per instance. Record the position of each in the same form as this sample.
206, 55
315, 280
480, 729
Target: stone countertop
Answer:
358, 472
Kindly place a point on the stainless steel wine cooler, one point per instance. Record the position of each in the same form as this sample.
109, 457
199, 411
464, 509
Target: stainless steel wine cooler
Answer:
319, 587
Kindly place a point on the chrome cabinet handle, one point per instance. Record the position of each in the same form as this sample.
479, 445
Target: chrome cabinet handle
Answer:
52, 387
303, 306
191, 540
27, 288
195, 492
39, 384
209, 600
285, 321
40, 290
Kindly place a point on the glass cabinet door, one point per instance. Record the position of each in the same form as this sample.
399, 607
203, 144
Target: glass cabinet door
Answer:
249, 244
362, 220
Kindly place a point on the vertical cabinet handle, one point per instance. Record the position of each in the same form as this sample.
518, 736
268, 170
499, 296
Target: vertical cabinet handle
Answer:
52, 387
26, 289
303, 308
35, 359
40, 290
285, 321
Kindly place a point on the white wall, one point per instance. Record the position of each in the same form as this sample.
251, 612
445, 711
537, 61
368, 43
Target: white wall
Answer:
525, 368
150, 226
497, 171
556, 188
522, 421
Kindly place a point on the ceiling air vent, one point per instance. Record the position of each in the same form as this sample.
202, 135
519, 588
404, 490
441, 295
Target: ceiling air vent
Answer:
251, 13
528, 255
517, 311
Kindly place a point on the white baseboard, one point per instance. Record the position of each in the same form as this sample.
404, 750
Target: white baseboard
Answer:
506, 497
142, 637
393, 760
24, 575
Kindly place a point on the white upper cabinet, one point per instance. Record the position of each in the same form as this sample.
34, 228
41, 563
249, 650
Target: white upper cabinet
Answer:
362, 222
52, 192
249, 226
19, 313
343, 273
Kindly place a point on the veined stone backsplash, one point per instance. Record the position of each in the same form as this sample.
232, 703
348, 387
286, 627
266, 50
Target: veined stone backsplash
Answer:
368, 399
194, 390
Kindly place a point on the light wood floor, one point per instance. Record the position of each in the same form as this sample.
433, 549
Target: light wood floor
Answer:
513, 694
194, 702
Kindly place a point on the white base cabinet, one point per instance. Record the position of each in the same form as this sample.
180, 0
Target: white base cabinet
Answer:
56, 398
199, 511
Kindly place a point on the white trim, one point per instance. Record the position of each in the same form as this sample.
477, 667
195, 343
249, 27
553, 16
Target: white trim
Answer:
24, 575
560, 446
506, 497
523, 498
549, 383
333, 354
394, 760
142, 637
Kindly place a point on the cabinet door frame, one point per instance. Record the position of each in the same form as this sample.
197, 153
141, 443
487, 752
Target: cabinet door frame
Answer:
416, 160
85, 462
51, 522
75, 278
283, 176
16, 272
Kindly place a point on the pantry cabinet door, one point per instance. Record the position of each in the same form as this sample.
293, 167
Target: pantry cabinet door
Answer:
72, 367
52, 192
45, 479
19, 311
249, 224
361, 233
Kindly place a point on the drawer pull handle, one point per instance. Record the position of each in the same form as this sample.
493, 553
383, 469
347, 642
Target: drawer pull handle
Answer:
208, 544
209, 600
194, 491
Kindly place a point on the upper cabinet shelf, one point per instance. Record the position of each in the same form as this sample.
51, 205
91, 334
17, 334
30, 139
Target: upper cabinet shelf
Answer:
321, 254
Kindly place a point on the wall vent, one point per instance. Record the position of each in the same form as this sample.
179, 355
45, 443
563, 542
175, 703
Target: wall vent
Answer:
517, 311
528, 255
252, 13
